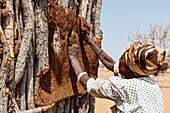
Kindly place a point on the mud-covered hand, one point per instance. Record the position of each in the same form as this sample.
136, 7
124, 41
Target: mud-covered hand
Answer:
84, 29
73, 51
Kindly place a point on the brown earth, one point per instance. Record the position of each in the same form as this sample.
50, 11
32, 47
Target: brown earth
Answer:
103, 105
60, 81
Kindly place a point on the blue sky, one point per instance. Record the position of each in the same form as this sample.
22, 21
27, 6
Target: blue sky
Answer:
120, 17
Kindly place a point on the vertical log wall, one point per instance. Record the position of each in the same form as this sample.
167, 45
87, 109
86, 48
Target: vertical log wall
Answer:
24, 53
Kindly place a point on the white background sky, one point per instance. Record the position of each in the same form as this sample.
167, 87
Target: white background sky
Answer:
120, 17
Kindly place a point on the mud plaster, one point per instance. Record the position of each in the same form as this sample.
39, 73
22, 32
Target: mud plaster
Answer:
60, 81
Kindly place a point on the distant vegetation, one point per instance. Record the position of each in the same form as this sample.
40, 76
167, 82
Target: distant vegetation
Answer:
159, 35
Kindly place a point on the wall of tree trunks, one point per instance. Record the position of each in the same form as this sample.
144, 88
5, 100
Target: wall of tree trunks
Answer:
35, 72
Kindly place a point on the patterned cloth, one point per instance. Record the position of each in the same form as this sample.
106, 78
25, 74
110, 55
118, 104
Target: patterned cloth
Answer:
144, 60
137, 95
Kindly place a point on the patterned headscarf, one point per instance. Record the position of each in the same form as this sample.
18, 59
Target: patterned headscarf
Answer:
144, 60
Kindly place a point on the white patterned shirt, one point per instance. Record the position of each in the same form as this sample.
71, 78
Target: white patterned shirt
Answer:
137, 95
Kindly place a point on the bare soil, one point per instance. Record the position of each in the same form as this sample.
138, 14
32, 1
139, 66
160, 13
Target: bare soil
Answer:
103, 105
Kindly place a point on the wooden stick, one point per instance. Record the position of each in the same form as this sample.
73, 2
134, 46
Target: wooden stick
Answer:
26, 40
40, 109
30, 80
97, 17
23, 90
41, 42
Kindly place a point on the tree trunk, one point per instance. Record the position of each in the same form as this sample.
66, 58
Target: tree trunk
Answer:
35, 71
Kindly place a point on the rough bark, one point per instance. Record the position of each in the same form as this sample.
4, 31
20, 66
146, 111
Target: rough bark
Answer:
96, 12
34, 55
30, 80
7, 66
41, 41
26, 40
23, 90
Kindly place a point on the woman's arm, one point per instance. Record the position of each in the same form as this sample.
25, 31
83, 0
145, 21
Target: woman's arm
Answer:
99, 87
107, 61
81, 75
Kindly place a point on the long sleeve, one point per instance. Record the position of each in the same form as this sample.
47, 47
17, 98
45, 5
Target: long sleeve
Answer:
102, 88
130, 95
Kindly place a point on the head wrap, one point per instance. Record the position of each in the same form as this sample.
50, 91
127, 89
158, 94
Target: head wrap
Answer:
144, 60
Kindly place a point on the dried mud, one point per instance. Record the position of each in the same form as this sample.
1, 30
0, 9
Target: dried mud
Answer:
60, 81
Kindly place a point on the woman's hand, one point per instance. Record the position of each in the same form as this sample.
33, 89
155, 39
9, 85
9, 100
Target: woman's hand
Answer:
73, 51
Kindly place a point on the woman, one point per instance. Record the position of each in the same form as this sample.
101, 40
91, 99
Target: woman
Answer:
132, 90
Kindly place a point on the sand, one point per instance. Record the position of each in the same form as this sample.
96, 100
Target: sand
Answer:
103, 105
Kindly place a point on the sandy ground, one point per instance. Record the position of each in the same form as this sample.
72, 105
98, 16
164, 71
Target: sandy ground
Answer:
103, 105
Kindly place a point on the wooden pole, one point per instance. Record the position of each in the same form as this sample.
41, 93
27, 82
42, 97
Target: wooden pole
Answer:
24, 53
